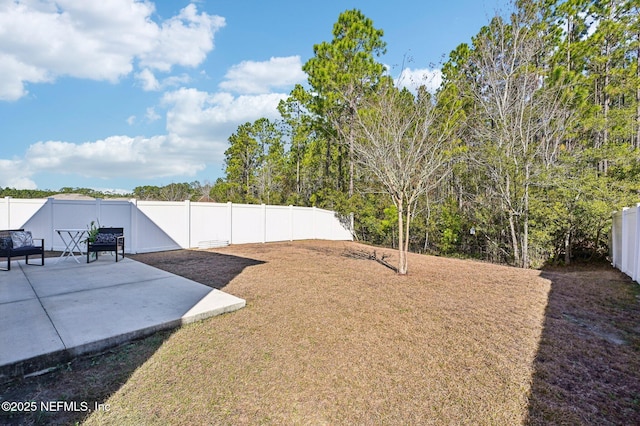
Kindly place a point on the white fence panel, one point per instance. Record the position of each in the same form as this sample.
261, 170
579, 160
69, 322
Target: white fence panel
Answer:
70, 214
279, 220
114, 213
616, 240
247, 224
636, 260
161, 226
323, 221
158, 226
303, 223
15, 212
39, 223
330, 224
210, 223
625, 241
628, 241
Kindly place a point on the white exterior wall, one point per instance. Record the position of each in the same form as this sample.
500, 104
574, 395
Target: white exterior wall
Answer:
160, 225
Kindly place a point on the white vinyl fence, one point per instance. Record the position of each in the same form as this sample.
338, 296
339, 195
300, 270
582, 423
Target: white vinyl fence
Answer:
625, 241
162, 225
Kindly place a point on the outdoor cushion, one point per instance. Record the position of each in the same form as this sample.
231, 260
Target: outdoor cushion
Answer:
5, 243
21, 239
106, 238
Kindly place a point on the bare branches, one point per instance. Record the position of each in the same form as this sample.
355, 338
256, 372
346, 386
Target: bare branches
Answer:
521, 114
398, 143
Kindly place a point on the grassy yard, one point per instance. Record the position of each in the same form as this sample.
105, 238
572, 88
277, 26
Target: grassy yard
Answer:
331, 337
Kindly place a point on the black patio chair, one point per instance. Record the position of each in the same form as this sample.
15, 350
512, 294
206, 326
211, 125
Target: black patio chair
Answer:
107, 239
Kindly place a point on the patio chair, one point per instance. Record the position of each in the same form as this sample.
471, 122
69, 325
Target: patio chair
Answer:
107, 239
18, 243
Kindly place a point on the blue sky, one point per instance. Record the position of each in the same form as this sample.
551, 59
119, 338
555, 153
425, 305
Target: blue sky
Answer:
116, 94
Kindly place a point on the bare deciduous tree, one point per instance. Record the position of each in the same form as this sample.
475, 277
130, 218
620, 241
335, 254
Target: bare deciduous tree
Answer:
399, 143
520, 117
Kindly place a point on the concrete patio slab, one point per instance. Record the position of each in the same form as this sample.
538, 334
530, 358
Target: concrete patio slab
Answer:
63, 309
15, 287
26, 332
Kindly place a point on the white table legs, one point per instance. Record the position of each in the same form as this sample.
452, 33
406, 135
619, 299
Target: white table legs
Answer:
72, 239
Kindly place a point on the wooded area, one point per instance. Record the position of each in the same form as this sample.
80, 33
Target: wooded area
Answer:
529, 144
521, 155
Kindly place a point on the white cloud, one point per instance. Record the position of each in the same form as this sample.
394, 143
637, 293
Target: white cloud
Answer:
183, 40
175, 80
150, 83
14, 73
152, 115
148, 80
412, 79
114, 156
16, 174
251, 77
97, 40
198, 126
208, 119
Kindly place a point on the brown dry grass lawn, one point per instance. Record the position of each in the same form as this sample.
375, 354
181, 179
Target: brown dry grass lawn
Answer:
328, 337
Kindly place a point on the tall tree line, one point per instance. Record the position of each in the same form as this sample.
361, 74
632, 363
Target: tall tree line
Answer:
539, 118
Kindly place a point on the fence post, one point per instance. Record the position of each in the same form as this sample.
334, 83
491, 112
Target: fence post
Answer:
133, 226
636, 257
625, 242
49, 204
263, 213
230, 221
290, 222
98, 205
314, 228
187, 222
614, 241
7, 205
352, 224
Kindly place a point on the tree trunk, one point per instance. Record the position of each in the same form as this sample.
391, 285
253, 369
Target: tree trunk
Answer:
514, 240
607, 103
327, 162
567, 247
340, 183
638, 94
351, 166
569, 33
525, 237
402, 255
406, 236
525, 224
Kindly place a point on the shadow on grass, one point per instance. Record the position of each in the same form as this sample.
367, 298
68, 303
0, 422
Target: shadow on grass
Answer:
71, 390
587, 368
211, 269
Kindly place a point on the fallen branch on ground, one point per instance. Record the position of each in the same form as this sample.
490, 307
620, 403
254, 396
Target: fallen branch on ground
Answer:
365, 255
